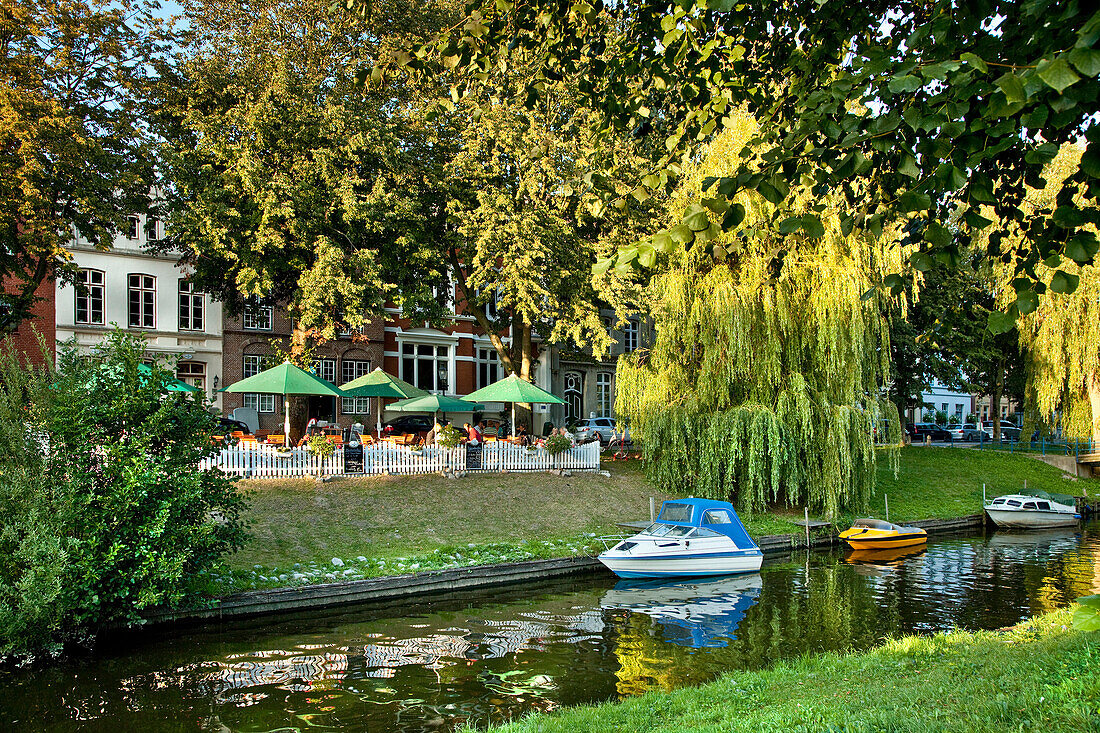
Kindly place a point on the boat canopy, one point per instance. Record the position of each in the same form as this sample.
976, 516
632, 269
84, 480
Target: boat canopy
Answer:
1060, 498
718, 516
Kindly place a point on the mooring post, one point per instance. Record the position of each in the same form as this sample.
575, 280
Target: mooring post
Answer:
806, 511
886, 498
983, 495
652, 510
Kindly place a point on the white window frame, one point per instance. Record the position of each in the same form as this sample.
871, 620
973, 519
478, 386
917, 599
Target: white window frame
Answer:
92, 291
188, 298
604, 403
252, 365
631, 329
255, 316
146, 290
416, 357
187, 372
132, 228
488, 360
325, 368
350, 370
260, 402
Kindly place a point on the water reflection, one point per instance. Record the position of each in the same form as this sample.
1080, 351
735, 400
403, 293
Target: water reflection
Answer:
490, 657
694, 613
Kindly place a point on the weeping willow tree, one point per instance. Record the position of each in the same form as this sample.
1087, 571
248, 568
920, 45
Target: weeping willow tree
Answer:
763, 384
1061, 336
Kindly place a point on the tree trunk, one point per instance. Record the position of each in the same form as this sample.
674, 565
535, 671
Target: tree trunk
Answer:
995, 400
526, 358
299, 406
479, 315
1093, 387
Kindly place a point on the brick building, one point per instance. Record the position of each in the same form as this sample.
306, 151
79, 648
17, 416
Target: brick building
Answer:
25, 339
248, 350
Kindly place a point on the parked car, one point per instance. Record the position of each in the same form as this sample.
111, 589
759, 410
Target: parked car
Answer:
227, 425
408, 424
918, 431
599, 428
967, 432
1009, 430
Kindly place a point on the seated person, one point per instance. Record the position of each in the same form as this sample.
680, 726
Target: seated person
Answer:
433, 434
473, 435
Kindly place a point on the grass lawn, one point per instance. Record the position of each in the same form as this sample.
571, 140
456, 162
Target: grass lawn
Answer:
384, 525
1040, 676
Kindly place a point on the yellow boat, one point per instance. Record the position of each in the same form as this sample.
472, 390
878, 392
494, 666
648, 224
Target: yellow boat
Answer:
875, 534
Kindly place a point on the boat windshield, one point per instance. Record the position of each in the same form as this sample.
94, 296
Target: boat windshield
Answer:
657, 529
873, 524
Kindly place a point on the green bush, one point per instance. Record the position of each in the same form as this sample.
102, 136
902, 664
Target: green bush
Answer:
109, 512
556, 444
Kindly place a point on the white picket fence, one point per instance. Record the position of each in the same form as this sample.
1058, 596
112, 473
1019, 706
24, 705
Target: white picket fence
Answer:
252, 460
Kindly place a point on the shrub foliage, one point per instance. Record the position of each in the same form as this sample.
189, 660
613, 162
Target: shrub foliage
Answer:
106, 510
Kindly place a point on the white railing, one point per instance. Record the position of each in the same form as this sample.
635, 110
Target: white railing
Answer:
252, 460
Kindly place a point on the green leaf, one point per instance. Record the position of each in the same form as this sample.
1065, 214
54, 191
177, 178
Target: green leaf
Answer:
937, 234
907, 83
894, 282
868, 294
1013, 88
1081, 247
718, 206
681, 234
1087, 60
914, 201
812, 225
921, 261
733, 217
1092, 601
1064, 282
603, 266
770, 192
790, 224
1090, 161
1086, 618
1026, 301
647, 256
908, 166
696, 219
974, 220
975, 61
1001, 322
662, 241
1057, 74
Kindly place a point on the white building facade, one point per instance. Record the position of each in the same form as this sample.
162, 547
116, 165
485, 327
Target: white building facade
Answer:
144, 294
957, 405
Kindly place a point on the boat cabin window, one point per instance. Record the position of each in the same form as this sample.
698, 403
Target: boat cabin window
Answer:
667, 530
717, 516
1029, 505
1013, 502
998, 502
671, 512
1043, 505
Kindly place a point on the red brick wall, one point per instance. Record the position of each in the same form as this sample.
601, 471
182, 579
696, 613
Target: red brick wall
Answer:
42, 321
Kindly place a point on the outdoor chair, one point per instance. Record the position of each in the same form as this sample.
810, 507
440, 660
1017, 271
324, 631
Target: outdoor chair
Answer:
275, 439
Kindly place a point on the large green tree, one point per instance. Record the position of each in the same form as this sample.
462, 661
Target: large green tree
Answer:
764, 382
74, 147
911, 108
290, 184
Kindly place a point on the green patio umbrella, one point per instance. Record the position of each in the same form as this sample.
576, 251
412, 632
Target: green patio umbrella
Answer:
287, 380
435, 403
379, 384
513, 389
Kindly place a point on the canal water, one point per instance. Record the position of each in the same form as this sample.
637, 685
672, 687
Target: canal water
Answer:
491, 656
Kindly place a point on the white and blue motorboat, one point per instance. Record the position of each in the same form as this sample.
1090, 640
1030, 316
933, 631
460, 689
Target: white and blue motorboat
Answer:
691, 537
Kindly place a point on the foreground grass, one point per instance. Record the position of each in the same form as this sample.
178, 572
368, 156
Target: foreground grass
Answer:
1039, 676
388, 525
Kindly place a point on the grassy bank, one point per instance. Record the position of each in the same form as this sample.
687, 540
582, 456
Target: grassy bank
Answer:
385, 525
1040, 676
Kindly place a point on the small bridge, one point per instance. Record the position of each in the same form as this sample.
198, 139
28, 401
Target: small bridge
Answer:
1091, 459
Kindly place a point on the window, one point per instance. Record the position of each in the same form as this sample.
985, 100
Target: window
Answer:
89, 297
488, 367
132, 228
676, 512
257, 316
191, 307
325, 369
426, 366
143, 301
630, 335
445, 295
192, 372
943, 407
717, 517
153, 229
959, 411
603, 393
351, 369
260, 402
254, 364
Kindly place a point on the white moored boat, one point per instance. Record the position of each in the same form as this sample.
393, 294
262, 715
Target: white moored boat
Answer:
1032, 511
691, 537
